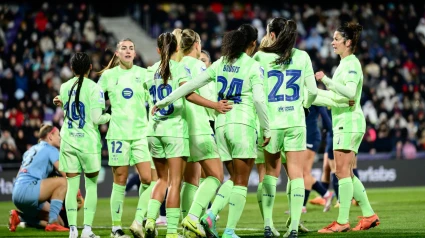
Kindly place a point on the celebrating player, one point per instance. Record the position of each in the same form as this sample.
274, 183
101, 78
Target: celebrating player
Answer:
348, 127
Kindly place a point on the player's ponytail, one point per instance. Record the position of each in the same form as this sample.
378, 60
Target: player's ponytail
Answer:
167, 44
236, 42
178, 34
286, 36
80, 64
351, 31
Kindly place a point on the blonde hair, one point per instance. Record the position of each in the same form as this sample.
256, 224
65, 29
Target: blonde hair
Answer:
178, 34
44, 131
188, 39
265, 41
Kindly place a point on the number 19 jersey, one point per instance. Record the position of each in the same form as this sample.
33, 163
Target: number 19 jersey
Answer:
81, 130
234, 82
284, 87
169, 121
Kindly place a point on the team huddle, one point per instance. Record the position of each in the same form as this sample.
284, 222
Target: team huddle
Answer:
258, 101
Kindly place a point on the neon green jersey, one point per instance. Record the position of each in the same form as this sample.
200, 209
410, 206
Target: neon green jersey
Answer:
197, 116
284, 87
169, 121
80, 130
234, 83
349, 119
127, 97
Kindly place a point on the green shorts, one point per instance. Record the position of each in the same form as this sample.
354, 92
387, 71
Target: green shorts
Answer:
347, 141
202, 147
71, 160
288, 139
260, 155
168, 147
128, 152
236, 141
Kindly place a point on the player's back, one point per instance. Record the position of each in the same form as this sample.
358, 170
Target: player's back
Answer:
234, 82
126, 95
284, 87
168, 121
78, 129
37, 162
197, 116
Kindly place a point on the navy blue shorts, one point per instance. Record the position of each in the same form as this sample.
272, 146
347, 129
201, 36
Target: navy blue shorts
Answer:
313, 144
329, 146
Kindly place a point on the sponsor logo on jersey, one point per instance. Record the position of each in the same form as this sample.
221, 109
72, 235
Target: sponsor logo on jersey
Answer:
352, 72
127, 93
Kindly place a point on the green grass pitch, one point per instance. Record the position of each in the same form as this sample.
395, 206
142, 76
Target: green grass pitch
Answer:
401, 211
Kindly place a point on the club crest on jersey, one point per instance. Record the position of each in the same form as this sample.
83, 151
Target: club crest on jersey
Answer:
127, 93
138, 80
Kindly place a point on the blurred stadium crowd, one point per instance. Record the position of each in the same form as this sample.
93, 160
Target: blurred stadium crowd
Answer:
36, 43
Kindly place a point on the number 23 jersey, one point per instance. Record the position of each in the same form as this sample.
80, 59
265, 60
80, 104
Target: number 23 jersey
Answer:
81, 131
234, 83
284, 87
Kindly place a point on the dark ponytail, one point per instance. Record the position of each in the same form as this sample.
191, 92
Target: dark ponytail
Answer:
80, 64
351, 31
236, 42
167, 43
286, 36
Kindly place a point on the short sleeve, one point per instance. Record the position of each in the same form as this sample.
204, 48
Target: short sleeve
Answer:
103, 81
53, 155
97, 97
352, 73
256, 74
308, 71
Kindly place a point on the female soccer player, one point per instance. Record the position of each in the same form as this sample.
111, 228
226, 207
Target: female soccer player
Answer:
32, 188
127, 137
348, 128
287, 72
202, 145
83, 113
239, 80
168, 133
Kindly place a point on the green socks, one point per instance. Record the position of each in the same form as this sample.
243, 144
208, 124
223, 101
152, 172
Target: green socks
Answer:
153, 208
222, 197
269, 193
117, 202
173, 216
236, 205
360, 196
297, 200
71, 201
90, 202
260, 197
345, 197
203, 196
187, 194
144, 196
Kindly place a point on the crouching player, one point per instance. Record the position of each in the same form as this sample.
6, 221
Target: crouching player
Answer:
33, 189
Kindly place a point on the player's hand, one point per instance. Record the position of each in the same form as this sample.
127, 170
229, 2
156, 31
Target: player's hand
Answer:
154, 110
351, 103
223, 106
319, 75
57, 101
266, 141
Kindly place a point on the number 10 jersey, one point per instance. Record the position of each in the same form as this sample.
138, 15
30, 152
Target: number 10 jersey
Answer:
284, 86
